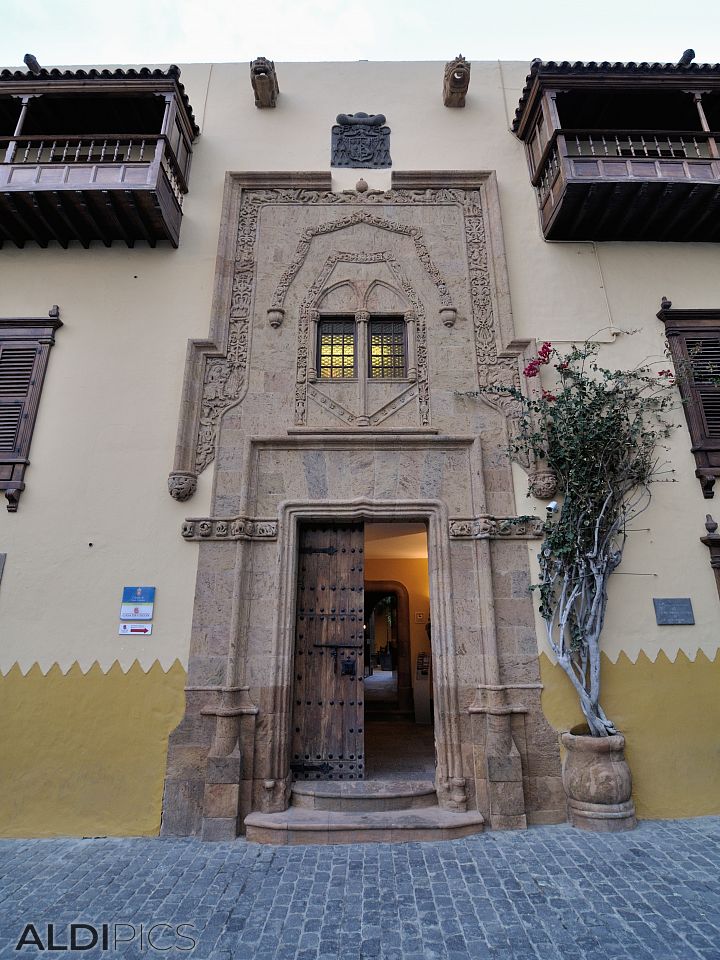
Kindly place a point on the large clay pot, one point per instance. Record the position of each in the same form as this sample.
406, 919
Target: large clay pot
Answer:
598, 782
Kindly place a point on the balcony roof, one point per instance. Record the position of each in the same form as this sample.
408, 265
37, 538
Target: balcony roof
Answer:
100, 81
552, 72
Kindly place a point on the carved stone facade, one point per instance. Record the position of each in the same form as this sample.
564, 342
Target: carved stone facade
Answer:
290, 447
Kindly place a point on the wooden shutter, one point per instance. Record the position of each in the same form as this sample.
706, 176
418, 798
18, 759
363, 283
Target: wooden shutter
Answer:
702, 353
19, 362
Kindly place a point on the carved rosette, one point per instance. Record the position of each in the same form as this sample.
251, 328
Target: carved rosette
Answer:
182, 484
233, 528
497, 528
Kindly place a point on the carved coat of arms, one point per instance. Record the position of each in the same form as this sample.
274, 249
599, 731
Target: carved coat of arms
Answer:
360, 140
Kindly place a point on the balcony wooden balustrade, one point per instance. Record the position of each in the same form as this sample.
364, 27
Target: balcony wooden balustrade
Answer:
629, 185
61, 183
623, 151
100, 187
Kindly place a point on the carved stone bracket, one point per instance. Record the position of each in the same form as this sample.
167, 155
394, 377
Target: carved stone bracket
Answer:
500, 528
182, 484
456, 82
543, 482
712, 542
234, 528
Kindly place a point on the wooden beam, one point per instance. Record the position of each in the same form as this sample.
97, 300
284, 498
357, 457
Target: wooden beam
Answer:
67, 212
134, 214
29, 229
83, 208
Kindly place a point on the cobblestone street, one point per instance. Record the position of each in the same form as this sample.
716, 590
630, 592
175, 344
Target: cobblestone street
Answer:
550, 892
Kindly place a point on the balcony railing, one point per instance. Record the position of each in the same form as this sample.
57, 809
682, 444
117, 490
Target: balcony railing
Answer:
141, 171
586, 174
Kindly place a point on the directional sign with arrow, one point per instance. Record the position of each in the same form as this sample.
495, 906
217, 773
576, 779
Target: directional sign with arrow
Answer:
144, 629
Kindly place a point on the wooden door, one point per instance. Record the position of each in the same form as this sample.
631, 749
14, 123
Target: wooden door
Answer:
327, 742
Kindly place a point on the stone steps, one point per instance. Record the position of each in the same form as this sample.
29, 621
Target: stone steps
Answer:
363, 796
300, 825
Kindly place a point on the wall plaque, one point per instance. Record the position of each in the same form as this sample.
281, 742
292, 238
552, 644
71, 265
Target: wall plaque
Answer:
673, 610
360, 140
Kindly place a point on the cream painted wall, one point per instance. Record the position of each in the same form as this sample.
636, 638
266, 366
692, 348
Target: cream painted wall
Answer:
105, 435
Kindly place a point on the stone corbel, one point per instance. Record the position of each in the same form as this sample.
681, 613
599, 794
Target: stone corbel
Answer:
448, 315
712, 542
182, 484
224, 806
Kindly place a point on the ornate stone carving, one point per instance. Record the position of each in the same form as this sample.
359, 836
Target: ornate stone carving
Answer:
233, 528
501, 528
182, 484
264, 82
303, 390
543, 483
360, 140
456, 82
227, 385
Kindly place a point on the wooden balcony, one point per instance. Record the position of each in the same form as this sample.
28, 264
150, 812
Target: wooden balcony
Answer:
82, 189
94, 155
629, 185
623, 151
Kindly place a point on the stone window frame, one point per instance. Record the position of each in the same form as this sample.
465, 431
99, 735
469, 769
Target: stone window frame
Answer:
682, 327
36, 335
364, 320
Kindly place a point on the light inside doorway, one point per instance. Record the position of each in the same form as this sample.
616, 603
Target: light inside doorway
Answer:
399, 741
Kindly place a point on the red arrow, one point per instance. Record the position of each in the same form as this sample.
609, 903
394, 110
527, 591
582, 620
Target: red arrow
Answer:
138, 629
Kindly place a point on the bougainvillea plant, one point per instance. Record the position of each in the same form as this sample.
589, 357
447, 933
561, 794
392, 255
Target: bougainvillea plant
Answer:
601, 432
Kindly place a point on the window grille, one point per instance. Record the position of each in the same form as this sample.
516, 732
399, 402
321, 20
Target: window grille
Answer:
386, 352
336, 349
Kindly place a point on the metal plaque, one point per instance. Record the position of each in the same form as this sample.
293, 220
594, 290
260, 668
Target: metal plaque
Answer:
673, 610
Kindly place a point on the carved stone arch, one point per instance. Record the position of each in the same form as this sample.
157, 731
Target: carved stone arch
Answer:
402, 305
308, 316
324, 300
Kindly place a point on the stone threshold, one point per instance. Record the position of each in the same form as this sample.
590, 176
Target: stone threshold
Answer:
298, 825
364, 796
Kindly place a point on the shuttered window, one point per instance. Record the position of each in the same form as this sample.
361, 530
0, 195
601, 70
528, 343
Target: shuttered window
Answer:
703, 358
24, 349
17, 367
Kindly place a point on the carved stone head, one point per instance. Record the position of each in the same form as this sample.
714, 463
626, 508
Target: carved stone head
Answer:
264, 82
457, 81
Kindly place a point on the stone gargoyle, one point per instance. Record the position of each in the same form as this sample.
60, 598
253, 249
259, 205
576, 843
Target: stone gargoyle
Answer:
264, 82
457, 81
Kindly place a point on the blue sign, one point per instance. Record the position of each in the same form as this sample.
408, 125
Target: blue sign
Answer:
138, 595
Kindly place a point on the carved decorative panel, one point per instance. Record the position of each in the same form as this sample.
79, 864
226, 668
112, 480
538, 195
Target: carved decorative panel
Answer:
222, 371
360, 140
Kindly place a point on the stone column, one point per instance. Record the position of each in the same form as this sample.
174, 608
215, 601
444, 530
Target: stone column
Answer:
361, 365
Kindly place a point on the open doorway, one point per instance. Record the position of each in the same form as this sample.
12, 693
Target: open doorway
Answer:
399, 740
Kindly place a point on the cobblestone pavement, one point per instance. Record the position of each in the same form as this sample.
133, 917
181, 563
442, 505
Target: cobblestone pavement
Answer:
549, 893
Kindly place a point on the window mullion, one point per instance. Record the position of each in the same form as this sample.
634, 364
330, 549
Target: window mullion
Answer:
362, 363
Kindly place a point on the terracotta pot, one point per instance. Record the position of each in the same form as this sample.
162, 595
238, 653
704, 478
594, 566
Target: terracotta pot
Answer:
598, 782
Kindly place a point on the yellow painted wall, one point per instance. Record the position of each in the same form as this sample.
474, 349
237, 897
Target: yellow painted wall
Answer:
84, 754
670, 716
413, 574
